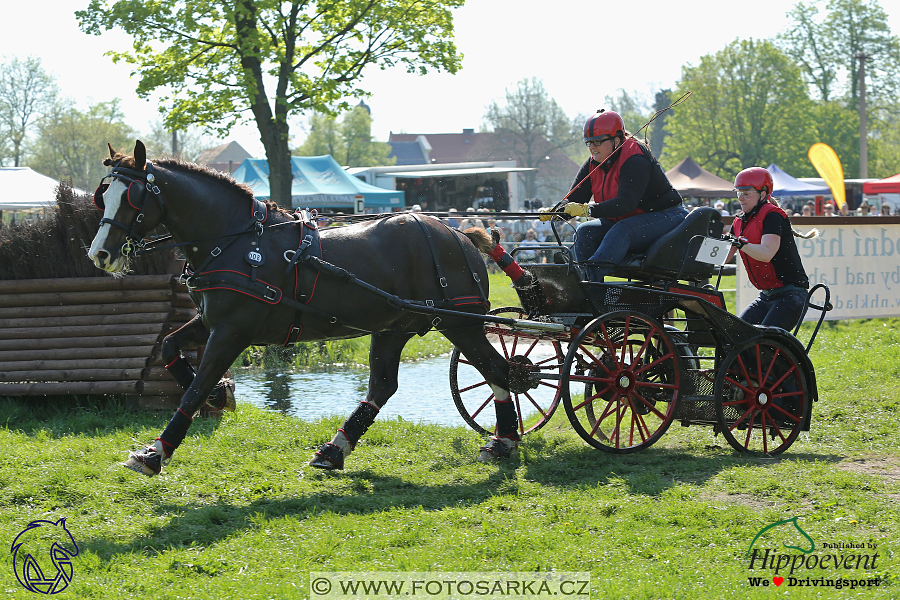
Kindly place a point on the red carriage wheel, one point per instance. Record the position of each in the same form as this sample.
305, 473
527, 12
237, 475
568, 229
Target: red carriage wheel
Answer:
620, 382
534, 360
761, 397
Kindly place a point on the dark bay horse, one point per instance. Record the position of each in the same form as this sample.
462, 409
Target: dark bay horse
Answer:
260, 275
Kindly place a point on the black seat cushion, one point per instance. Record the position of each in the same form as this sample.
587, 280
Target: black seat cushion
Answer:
665, 257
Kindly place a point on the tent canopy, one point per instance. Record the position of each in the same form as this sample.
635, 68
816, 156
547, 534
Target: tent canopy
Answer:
319, 182
889, 185
786, 185
690, 179
24, 189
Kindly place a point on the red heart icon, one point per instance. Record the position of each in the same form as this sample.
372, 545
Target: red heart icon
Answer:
777, 580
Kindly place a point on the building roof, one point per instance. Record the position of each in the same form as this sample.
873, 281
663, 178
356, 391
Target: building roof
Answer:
226, 157
408, 153
470, 146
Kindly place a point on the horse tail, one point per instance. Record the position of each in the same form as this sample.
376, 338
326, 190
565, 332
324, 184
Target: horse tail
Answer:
490, 245
812, 233
480, 238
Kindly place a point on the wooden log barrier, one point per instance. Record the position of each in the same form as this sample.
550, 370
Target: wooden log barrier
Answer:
92, 335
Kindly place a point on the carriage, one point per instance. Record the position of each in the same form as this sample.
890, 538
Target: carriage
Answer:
625, 359
629, 357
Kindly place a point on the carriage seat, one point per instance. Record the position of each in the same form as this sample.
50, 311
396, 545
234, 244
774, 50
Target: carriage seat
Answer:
664, 258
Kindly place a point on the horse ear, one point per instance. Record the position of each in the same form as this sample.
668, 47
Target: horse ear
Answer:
112, 153
140, 155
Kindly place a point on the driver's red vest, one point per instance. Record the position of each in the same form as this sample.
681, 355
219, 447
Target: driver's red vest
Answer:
762, 274
605, 186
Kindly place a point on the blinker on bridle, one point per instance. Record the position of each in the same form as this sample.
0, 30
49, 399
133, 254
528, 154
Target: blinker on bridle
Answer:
145, 182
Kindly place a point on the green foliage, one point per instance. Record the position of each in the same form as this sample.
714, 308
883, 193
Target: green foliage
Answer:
70, 140
749, 107
828, 46
349, 142
218, 62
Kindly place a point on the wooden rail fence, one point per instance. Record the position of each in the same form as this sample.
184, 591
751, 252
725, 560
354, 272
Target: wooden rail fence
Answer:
91, 335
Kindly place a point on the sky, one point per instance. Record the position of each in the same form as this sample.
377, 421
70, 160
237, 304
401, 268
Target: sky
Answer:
582, 51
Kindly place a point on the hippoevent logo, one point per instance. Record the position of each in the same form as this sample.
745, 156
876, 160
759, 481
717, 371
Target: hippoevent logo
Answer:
42, 556
836, 565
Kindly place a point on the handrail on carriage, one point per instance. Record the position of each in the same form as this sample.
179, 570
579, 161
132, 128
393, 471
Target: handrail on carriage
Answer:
825, 307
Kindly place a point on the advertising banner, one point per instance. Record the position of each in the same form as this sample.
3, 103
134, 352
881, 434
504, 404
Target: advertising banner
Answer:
857, 258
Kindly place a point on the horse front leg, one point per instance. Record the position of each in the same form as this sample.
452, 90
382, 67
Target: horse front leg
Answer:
222, 350
194, 334
494, 368
384, 365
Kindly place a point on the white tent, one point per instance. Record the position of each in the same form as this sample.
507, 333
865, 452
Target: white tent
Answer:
23, 189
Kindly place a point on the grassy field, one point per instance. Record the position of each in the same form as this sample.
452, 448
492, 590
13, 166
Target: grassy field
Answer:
238, 514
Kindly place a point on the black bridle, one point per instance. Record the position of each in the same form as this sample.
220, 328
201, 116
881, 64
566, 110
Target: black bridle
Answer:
142, 182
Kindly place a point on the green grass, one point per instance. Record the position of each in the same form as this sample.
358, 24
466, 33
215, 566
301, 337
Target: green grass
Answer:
238, 514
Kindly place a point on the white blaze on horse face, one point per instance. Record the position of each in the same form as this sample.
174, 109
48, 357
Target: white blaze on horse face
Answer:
112, 199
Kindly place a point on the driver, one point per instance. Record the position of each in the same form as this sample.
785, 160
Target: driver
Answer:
634, 203
765, 239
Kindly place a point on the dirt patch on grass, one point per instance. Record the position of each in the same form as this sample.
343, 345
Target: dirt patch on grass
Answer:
747, 500
884, 467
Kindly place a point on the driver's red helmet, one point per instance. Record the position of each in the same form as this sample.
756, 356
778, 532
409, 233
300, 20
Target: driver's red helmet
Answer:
603, 124
755, 177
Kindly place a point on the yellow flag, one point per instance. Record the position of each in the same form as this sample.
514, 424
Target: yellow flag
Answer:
829, 167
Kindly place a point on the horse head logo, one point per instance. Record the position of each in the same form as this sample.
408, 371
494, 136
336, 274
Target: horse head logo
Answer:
796, 527
42, 556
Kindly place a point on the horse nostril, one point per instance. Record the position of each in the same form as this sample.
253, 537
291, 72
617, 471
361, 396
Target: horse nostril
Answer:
102, 256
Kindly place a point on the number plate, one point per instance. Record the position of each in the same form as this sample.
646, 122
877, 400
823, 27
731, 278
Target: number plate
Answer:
713, 252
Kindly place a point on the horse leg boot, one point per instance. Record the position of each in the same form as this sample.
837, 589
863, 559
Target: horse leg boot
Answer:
194, 334
151, 459
495, 369
384, 365
506, 437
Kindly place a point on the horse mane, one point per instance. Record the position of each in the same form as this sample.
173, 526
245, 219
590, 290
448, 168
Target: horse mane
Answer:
179, 164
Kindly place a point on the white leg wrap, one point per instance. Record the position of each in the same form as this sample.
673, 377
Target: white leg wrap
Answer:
340, 440
499, 393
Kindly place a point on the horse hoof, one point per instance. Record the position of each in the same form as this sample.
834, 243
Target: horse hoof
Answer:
329, 457
497, 449
148, 461
138, 467
222, 397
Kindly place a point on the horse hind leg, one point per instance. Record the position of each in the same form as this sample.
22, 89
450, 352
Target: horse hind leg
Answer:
494, 368
384, 366
194, 334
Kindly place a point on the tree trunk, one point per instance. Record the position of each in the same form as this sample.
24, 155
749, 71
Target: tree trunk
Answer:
275, 141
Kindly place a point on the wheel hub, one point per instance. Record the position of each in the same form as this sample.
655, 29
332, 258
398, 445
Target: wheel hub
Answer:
520, 371
624, 381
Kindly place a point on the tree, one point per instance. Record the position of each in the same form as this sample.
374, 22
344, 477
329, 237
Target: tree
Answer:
26, 93
219, 62
750, 106
531, 126
349, 142
828, 48
191, 141
68, 138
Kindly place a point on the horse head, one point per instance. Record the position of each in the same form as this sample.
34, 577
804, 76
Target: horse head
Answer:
129, 212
